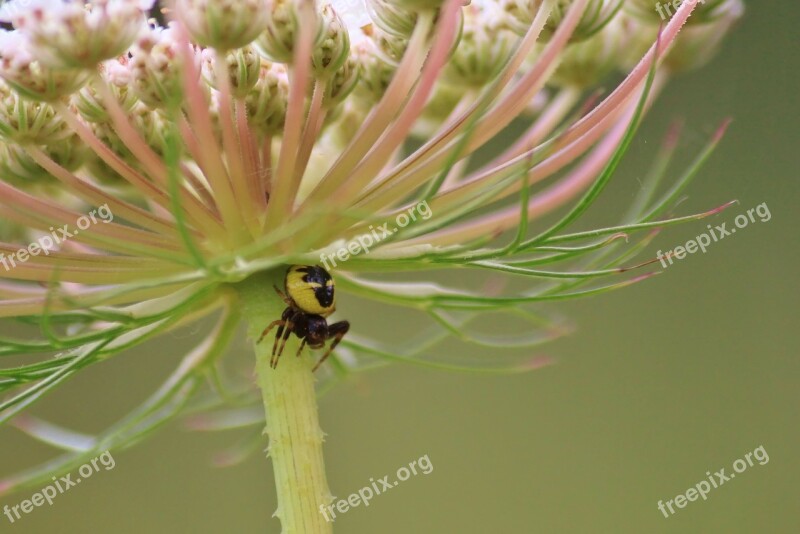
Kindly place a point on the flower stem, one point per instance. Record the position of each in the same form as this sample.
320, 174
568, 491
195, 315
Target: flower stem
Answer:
290, 402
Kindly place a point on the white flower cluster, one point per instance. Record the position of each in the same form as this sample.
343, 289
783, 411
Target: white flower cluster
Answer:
61, 50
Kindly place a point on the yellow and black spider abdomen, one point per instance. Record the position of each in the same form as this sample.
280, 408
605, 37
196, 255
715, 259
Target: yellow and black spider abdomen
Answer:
311, 289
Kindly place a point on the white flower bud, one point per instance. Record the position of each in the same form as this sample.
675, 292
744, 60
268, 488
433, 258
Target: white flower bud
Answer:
223, 24
156, 67
73, 34
29, 77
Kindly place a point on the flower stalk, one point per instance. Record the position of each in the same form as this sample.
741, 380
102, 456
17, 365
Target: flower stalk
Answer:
290, 404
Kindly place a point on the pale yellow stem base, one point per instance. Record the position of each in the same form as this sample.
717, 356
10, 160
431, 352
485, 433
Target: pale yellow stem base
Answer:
290, 402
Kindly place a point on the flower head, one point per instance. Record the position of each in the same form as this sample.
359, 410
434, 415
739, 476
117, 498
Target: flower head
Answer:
75, 33
222, 24
31, 78
235, 141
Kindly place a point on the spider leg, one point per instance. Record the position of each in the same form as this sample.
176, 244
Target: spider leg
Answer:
337, 332
285, 325
273, 324
302, 346
286, 334
282, 295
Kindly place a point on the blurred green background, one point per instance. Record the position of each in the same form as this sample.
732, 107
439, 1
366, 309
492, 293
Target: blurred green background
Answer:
661, 382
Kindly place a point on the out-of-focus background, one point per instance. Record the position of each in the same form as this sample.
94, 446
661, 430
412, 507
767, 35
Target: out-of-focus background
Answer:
662, 382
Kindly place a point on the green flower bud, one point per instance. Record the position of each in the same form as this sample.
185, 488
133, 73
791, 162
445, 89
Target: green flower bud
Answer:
392, 18
156, 64
266, 102
390, 47
97, 168
443, 102
658, 11
71, 154
698, 43
641, 37
598, 13
351, 116
332, 51
11, 232
277, 42
223, 24
20, 170
91, 105
150, 124
695, 45
588, 62
243, 66
342, 83
376, 70
484, 47
26, 121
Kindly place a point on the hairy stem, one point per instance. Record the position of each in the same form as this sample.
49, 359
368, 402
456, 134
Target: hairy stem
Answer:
290, 402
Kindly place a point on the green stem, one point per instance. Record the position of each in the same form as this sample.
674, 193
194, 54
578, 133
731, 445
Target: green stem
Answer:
290, 402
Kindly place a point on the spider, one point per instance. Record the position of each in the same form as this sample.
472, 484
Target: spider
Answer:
309, 297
